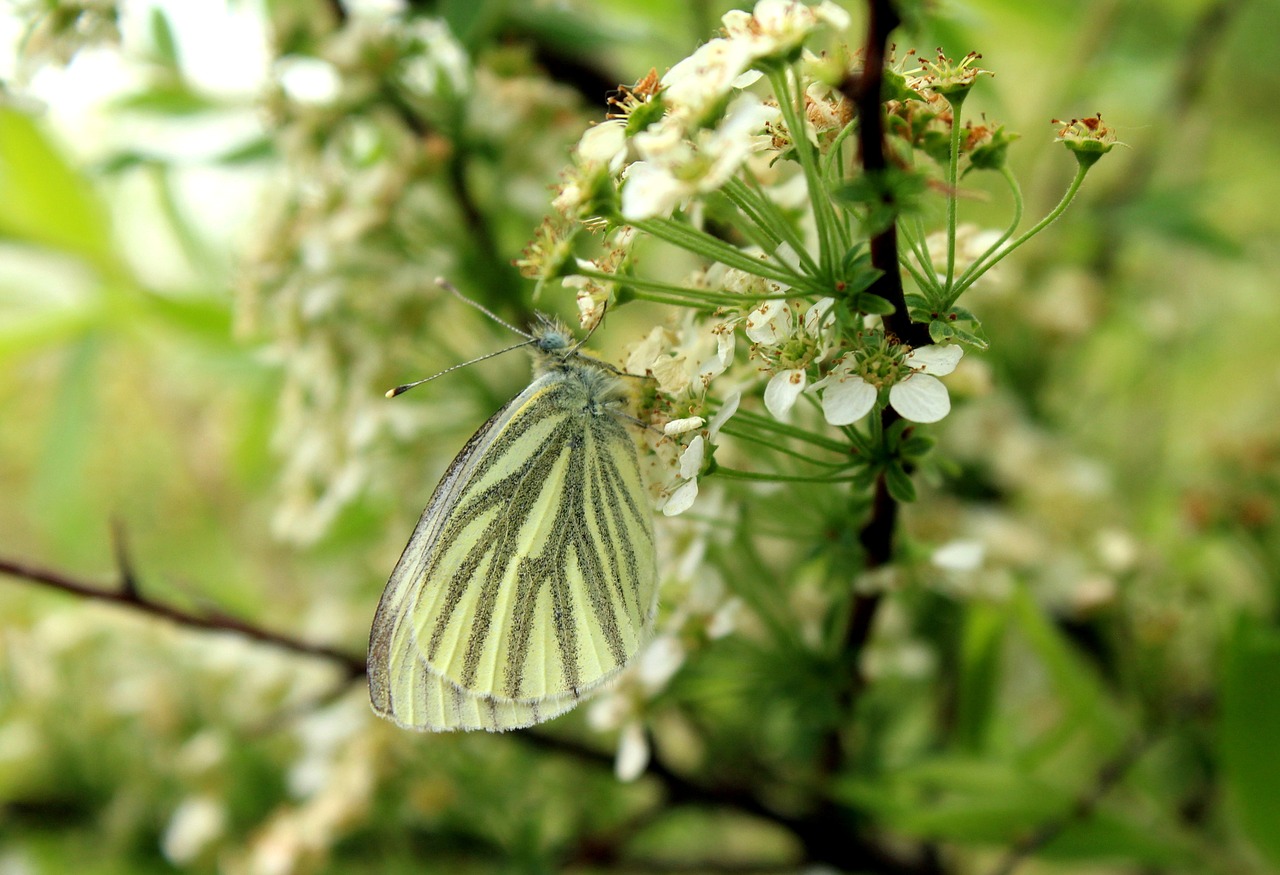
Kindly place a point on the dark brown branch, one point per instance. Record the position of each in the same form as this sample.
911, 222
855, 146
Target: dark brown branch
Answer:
127, 594
1107, 778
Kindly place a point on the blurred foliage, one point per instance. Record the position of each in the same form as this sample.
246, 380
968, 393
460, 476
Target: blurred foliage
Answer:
205, 287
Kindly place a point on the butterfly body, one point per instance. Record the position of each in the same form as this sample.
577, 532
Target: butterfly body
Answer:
530, 579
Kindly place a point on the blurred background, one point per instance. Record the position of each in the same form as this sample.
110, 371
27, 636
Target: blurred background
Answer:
219, 227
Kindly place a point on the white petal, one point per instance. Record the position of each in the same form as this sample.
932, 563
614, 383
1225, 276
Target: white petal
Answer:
961, 555
680, 426
847, 399
682, 499
935, 359
769, 322
691, 458
920, 398
650, 191
659, 662
832, 15
633, 752
604, 143
783, 390
727, 409
816, 316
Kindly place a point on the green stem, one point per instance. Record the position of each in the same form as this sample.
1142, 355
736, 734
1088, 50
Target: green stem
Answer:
923, 275
1072, 190
794, 117
979, 266
733, 431
767, 424
684, 295
770, 213
735, 474
953, 181
714, 249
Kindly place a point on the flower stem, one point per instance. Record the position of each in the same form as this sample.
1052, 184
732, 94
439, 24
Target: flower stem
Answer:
1072, 190
793, 114
980, 266
702, 243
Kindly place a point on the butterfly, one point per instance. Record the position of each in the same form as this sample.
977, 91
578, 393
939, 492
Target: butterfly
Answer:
531, 577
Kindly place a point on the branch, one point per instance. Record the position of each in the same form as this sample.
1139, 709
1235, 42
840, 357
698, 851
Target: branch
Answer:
127, 594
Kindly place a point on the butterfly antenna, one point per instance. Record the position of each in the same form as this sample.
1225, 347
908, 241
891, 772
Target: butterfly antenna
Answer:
400, 390
604, 308
453, 290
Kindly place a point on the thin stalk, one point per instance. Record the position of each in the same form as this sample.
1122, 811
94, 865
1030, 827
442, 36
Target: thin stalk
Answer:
780, 448
790, 431
979, 266
794, 117
1072, 190
702, 243
735, 474
682, 294
953, 181
770, 212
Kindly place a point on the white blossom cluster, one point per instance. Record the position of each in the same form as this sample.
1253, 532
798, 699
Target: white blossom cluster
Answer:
754, 115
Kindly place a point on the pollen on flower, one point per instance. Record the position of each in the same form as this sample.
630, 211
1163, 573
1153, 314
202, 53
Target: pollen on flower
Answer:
951, 78
548, 254
624, 102
1087, 138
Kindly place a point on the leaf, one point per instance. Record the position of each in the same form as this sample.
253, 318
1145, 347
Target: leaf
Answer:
162, 38
899, 484
1250, 729
980, 650
43, 200
874, 304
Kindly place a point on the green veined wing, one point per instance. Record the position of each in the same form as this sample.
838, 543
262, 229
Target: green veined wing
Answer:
530, 579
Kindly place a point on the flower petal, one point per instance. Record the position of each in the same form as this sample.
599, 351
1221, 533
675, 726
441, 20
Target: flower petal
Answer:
783, 390
727, 409
682, 499
680, 426
920, 398
936, 359
633, 752
650, 191
769, 322
691, 458
847, 399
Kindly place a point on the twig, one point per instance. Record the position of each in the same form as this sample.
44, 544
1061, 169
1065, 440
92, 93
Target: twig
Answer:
129, 596
1108, 776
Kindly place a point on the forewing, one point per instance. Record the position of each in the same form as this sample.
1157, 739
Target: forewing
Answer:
530, 579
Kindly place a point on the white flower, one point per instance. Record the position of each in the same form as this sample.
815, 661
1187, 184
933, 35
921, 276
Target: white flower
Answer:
919, 396
789, 347
440, 63
312, 81
697, 83
633, 752
686, 490
605, 143
676, 168
682, 496
194, 825
778, 27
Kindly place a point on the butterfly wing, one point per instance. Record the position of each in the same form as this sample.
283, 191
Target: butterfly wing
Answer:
531, 576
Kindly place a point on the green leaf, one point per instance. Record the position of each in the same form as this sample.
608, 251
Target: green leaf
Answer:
170, 98
43, 200
899, 484
980, 650
1250, 730
162, 38
873, 304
